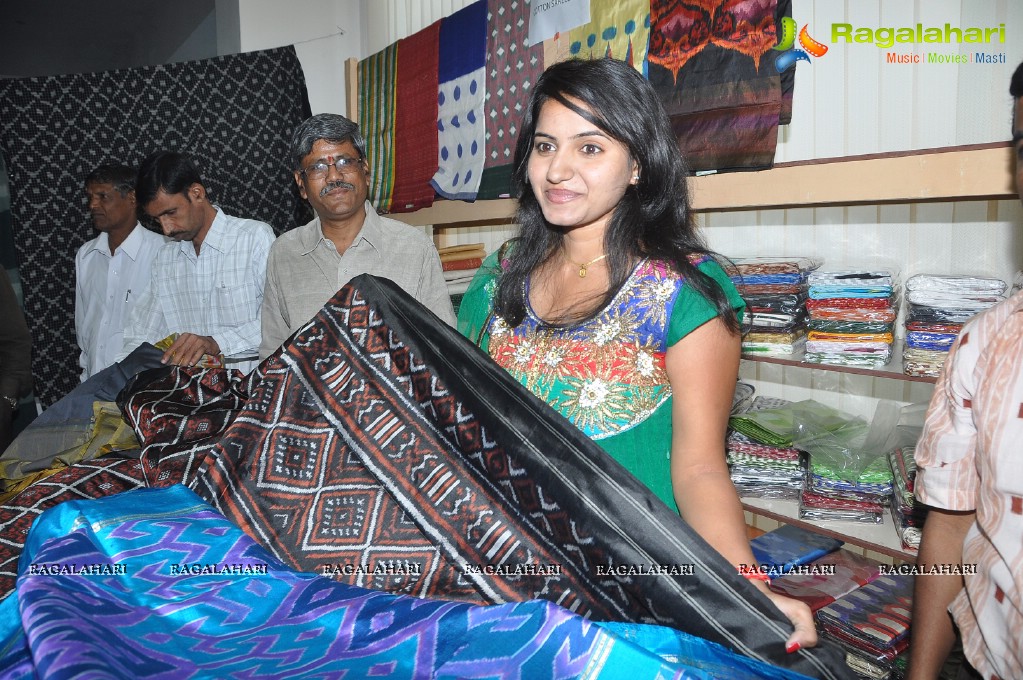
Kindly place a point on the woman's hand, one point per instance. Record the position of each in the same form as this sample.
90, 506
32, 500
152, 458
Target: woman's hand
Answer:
805, 633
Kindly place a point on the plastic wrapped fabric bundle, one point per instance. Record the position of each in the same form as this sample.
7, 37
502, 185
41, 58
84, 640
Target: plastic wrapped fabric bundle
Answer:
775, 294
768, 343
850, 326
940, 342
761, 471
963, 286
817, 507
907, 514
790, 304
850, 297
750, 266
938, 306
922, 362
742, 398
865, 357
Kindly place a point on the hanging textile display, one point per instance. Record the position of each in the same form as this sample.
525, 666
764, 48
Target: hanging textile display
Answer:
461, 93
233, 114
713, 64
415, 125
619, 29
513, 65
377, 79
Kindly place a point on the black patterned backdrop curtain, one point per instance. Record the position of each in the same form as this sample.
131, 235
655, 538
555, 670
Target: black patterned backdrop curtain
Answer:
233, 114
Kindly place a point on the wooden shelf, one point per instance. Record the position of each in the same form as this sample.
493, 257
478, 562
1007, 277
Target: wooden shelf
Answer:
892, 370
964, 173
880, 538
976, 172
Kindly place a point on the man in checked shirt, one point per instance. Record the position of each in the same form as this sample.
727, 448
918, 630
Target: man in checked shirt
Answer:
207, 284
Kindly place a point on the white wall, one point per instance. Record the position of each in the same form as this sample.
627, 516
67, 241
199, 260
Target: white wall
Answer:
324, 33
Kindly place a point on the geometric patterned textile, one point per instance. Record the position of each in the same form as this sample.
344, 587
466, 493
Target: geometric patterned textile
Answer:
513, 65
91, 479
712, 64
383, 449
875, 617
233, 114
176, 590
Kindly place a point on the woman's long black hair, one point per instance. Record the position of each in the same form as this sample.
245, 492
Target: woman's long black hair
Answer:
653, 217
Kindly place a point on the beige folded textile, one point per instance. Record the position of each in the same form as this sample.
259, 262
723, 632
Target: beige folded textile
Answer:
462, 251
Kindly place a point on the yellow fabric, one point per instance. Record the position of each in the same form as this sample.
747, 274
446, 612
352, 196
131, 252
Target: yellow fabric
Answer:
109, 432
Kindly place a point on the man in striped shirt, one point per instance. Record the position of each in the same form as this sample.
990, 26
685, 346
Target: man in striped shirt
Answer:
970, 471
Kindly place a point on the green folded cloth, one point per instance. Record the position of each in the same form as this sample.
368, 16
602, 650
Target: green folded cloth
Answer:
857, 327
801, 421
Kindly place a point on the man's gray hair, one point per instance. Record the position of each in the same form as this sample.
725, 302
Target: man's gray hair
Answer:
330, 127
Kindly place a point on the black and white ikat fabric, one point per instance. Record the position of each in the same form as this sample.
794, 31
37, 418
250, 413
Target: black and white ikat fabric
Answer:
234, 115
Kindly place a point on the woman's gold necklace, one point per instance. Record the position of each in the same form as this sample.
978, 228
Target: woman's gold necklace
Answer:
582, 267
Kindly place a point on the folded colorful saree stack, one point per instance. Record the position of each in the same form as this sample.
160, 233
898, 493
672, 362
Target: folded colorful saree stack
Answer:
775, 293
156, 583
871, 623
908, 514
382, 449
836, 492
851, 317
938, 306
759, 470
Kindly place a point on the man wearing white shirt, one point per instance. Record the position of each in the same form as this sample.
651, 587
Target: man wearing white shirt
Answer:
112, 270
207, 286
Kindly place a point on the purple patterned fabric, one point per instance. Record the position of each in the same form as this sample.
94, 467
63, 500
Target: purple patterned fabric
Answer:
155, 583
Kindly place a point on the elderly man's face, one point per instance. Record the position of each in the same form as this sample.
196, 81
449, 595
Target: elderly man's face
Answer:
338, 194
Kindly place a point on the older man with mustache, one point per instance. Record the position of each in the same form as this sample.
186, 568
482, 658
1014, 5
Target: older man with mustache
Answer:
308, 265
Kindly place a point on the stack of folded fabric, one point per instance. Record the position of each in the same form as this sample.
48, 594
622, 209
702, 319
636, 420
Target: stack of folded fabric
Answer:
788, 546
907, 513
775, 293
871, 624
900, 667
834, 492
828, 578
760, 469
460, 264
852, 314
767, 421
938, 306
